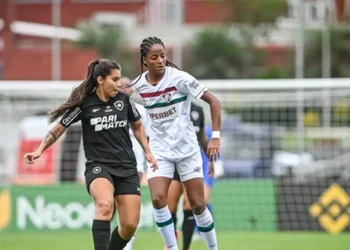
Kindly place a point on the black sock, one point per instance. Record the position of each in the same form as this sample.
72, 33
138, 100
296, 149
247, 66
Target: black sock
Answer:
173, 215
117, 243
188, 226
101, 231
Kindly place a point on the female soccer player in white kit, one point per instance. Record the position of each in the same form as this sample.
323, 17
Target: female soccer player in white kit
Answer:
138, 151
167, 92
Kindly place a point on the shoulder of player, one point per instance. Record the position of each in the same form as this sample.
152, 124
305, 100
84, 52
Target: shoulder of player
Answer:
139, 80
177, 73
89, 101
122, 95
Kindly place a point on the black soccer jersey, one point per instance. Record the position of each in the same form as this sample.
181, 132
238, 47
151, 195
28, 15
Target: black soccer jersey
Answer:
105, 127
197, 118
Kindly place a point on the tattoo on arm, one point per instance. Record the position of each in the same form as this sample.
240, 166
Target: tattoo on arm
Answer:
49, 140
53, 135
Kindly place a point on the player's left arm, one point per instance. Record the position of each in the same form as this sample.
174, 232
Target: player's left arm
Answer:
203, 135
213, 150
194, 88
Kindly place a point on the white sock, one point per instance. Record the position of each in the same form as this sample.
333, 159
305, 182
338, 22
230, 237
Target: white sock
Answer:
130, 244
166, 227
206, 227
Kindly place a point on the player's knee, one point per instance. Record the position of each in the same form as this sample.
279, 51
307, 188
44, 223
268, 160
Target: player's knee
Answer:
198, 207
129, 228
104, 209
159, 200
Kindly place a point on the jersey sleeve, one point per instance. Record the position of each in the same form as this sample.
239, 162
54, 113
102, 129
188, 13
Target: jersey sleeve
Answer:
191, 86
71, 116
133, 113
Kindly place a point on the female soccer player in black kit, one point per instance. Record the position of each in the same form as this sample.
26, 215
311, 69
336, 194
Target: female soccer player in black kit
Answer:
111, 175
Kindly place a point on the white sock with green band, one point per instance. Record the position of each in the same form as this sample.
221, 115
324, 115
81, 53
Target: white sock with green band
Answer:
206, 228
166, 227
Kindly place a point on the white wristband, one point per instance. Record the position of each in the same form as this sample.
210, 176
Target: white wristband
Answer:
215, 134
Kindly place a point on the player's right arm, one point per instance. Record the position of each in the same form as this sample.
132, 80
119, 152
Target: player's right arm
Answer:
51, 137
71, 116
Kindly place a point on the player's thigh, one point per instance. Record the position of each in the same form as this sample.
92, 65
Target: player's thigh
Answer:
127, 185
174, 193
159, 180
128, 200
129, 209
166, 168
191, 174
100, 186
190, 167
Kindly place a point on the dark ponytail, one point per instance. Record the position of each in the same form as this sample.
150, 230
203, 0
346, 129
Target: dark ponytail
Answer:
96, 68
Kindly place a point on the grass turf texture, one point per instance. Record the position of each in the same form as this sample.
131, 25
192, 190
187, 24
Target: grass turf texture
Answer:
152, 241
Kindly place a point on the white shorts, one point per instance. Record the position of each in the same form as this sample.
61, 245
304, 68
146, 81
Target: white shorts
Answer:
188, 168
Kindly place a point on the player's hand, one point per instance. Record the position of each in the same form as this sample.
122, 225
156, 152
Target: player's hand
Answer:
30, 157
150, 158
211, 169
213, 151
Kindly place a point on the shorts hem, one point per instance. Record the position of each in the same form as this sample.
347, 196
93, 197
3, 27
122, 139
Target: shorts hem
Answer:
127, 193
189, 177
161, 175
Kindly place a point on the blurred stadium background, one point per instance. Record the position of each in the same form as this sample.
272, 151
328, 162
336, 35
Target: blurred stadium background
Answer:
280, 69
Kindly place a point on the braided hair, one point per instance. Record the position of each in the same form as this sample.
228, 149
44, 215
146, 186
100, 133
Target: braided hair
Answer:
145, 46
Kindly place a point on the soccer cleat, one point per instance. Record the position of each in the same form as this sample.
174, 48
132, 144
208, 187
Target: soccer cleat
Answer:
177, 237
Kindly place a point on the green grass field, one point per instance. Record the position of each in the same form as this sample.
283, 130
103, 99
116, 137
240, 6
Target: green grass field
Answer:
153, 241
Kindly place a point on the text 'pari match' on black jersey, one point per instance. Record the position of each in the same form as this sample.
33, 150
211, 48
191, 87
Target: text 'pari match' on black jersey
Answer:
105, 127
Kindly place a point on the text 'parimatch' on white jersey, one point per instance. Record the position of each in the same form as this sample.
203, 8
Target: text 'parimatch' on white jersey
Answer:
168, 105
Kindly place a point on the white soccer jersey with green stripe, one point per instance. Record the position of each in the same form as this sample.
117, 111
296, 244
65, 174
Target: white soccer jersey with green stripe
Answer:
168, 105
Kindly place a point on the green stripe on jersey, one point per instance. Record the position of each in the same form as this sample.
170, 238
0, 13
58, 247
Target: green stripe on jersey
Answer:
164, 104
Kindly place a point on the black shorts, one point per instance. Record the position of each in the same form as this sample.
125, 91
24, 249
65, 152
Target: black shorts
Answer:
122, 185
176, 176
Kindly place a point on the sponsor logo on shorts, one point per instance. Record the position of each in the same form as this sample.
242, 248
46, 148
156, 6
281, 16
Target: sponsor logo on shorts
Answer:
96, 170
197, 169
